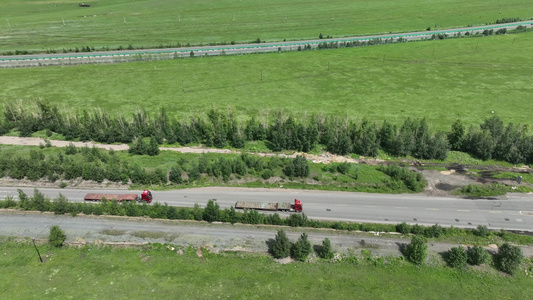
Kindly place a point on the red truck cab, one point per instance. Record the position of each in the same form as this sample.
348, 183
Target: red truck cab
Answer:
147, 196
298, 205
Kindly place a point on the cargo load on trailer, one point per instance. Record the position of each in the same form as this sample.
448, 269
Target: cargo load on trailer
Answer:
271, 206
146, 196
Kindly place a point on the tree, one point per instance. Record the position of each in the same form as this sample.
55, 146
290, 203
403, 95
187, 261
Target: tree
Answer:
508, 258
298, 167
416, 251
302, 248
60, 205
456, 257
211, 211
175, 175
232, 215
281, 247
57, 236
153, 147
477, 255
456, 135
325, 251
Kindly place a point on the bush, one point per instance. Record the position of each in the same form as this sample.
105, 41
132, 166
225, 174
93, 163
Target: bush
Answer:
281, 247
477, 255
434, 231
302, 248
57, 236
211, 212
456, 257
297, 220
60, 205
416, 251
482, 231
325, 251
403, 228
508, 258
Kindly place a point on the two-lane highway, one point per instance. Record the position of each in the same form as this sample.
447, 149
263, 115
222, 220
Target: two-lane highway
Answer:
513, 212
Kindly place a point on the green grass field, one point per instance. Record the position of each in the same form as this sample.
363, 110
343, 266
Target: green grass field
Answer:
441, 80
39, 25
156, 271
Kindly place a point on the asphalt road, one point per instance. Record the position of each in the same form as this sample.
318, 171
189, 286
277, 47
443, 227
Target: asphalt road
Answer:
512, 212
168, 53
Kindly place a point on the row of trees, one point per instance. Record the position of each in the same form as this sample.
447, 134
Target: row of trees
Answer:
281, 247
95, 164
507, 259
491, 139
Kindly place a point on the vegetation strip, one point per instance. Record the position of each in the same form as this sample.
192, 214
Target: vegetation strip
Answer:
139, 273
213, 213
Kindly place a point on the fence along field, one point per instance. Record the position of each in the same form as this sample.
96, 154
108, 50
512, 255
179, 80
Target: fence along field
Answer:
42, 25
443, 81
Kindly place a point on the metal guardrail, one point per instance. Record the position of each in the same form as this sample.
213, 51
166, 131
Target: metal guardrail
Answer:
260, 46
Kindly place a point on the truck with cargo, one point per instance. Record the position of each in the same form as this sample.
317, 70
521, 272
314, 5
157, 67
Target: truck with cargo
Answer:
271, 206
146, 196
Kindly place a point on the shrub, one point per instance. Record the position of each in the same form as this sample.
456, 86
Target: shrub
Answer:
302, 248
39, 202
281, 247
211, 212
60, 205
417, 229
57, 236
482, 231
456, 257
297, 220
325, 251
434, 231
403, 228
508, 258
9, 202
477, 255
232, 215
416, 251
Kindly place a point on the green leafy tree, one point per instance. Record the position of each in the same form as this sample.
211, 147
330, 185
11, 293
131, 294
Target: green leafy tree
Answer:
416, 251
477, 255
175, 175
153, 147
232, 215
302, 248
456, 135
281, 247
508, 258
482, 231
60, 205
57, 236
403, 228
325, 250
457, 257
211, 212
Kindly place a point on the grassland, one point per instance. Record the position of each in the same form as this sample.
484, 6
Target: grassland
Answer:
106, 273
40, 25
440, 80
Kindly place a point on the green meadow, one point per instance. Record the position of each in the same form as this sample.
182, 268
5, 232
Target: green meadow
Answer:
441, 80
39, 25
156, 271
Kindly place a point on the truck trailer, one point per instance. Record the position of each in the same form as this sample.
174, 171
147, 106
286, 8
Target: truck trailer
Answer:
271, 206
146, 196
